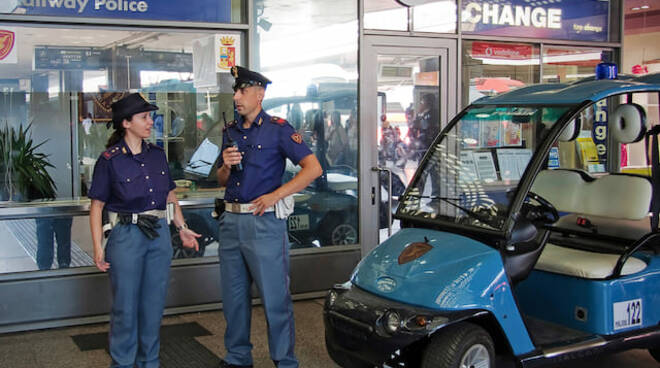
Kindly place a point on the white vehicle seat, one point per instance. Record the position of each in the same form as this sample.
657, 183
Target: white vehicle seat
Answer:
604, 200
584, 264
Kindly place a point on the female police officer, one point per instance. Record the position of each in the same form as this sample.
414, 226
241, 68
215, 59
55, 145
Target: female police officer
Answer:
131, 180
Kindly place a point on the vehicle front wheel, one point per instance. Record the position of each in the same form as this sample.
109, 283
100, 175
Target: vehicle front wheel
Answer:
655, 353
460, 345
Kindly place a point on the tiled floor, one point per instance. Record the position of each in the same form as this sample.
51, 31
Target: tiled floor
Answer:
56, 348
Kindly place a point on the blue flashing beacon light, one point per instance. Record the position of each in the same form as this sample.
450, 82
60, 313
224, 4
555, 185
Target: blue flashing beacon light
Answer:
606, 71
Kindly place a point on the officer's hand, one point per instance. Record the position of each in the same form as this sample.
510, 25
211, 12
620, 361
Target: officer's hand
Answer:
99, 260
231, 156
189, 238
260, 204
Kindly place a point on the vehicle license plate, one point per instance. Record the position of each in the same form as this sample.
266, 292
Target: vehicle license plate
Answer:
298, 222
627, 314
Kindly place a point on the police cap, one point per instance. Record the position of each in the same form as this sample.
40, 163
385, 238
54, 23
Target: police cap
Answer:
129, 106
246, 78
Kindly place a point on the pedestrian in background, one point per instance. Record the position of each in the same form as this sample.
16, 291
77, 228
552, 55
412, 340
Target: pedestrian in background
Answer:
132, 181
255, 244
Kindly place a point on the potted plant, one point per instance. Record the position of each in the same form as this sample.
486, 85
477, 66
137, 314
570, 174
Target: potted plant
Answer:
23, 174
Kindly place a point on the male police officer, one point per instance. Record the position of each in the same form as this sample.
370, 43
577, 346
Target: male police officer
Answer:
255, 244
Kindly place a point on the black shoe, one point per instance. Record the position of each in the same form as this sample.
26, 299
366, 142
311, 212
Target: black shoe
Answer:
224, 364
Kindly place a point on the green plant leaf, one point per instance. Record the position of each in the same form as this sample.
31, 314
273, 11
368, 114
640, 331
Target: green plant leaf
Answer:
23, 170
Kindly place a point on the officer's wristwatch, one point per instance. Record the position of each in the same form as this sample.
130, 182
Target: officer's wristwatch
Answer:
183, 226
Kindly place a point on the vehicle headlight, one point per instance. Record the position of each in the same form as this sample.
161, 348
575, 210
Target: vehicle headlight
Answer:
392, 321
332, 298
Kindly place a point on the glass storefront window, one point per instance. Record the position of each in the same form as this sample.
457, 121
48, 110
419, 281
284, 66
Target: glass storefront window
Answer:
62, 85
436, 16
491, 68
313, 66
567, 64
426, 16
387, 15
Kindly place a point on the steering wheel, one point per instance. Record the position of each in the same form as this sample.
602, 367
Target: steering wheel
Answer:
545, 212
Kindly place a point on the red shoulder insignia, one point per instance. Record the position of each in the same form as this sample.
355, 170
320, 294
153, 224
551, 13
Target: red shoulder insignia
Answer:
278, 121
296, 137
111, 152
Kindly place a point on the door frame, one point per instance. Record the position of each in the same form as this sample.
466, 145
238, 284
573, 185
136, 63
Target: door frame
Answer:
370, 47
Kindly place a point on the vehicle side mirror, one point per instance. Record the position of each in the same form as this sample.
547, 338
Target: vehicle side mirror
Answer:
523, 231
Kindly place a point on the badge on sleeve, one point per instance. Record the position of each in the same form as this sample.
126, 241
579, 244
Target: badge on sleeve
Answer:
278, 121
296, 138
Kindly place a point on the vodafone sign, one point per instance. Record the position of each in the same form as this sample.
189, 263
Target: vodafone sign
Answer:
505, 51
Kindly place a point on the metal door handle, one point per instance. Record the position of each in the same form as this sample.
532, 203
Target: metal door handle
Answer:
389, 195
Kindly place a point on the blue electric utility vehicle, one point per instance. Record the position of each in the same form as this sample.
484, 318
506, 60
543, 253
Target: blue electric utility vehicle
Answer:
522, 237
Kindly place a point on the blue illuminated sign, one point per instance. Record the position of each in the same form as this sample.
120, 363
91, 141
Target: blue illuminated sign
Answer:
215, 11
584, 20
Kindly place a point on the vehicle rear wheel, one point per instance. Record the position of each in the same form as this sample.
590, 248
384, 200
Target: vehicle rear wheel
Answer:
460, 345
338, 229
655, 353
342, 359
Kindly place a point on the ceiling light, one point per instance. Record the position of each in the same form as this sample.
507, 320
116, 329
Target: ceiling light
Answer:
645, 7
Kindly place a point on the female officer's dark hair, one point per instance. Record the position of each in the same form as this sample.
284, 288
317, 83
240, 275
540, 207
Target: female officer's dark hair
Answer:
117, 135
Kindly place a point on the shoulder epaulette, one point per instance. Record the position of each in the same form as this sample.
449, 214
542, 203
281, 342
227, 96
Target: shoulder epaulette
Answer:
278, 121
111, 152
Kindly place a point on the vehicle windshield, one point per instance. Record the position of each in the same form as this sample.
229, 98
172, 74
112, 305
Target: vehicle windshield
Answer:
472, 171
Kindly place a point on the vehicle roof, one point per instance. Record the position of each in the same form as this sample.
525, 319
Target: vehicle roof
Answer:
588, 89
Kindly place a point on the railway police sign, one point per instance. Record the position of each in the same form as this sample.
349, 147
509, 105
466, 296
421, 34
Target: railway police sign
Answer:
218, 11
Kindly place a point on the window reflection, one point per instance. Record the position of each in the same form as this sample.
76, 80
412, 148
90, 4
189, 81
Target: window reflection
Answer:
436, 16
313, 66
65, 100
491, 68
45, 243
63, 241
385, 15
565, 64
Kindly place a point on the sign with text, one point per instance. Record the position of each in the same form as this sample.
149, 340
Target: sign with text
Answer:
584, 20
503, 51
213, 11
70, 58
599, 131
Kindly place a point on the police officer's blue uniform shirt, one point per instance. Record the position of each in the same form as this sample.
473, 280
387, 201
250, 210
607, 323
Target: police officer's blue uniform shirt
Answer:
265, 147
130, 183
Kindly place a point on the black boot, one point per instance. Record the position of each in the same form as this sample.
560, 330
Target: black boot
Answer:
224, 364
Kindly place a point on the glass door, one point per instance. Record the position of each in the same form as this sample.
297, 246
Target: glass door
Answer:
407, 95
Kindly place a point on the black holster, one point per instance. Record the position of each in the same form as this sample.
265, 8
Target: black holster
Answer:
146, 223
219, 208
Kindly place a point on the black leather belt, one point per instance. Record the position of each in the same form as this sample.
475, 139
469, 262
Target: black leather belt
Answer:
146, 223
